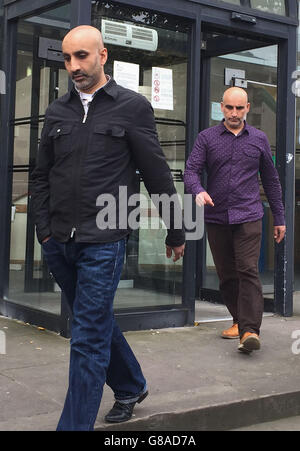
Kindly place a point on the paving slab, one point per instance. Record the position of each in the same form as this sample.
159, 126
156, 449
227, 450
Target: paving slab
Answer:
197, 380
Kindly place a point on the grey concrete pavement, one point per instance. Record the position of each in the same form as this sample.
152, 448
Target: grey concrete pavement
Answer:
291, 424
197, 381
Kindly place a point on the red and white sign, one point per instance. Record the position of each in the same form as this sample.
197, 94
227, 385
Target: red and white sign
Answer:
162, 88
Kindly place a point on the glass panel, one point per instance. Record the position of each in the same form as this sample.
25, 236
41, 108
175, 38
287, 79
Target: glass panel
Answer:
297, 175
2, 75
270, 6
156, 48
260, 66
39, 81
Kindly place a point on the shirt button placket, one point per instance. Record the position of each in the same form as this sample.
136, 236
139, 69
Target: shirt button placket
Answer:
231, 187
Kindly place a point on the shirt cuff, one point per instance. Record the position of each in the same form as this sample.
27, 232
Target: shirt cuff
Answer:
279, 220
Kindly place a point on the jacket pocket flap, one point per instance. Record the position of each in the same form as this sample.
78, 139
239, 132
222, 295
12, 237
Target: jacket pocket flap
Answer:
115, 130
118, 131
60, 130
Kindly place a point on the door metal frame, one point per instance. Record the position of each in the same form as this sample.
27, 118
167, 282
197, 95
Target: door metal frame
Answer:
286, 40
209, 294
6, 161
286, 114
9, 308
282, 29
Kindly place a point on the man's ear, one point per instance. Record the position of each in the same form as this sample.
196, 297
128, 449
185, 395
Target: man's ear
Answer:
103, 56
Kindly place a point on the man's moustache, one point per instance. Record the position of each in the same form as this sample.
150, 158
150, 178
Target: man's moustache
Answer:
79, 74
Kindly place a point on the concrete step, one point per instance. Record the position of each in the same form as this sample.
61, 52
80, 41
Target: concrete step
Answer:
221, 417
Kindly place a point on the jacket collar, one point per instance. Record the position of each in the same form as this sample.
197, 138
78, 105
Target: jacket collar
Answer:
110, 88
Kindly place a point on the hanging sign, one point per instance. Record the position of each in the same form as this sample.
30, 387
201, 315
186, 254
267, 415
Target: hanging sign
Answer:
127, 75
162, 88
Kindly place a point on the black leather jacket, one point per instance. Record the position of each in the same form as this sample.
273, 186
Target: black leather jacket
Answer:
78, 161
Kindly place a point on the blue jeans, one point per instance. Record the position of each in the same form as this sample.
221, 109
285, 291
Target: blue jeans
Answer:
89, 274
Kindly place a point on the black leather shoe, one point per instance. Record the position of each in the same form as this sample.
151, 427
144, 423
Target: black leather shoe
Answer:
123, 412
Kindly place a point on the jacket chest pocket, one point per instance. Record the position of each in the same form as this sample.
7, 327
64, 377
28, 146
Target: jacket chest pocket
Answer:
108, 140
61, 136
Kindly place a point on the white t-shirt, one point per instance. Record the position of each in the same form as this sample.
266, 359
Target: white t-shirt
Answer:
87, 99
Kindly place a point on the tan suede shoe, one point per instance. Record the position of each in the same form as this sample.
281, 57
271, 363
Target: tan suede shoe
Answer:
249, 342
232, 332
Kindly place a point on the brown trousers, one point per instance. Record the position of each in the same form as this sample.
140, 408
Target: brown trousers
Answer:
235, 249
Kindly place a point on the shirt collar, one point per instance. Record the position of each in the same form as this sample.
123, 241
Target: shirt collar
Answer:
110, 88
82, 94
224, 129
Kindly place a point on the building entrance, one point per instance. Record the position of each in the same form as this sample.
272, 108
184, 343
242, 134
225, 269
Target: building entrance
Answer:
234, 60
198, 48
149, 280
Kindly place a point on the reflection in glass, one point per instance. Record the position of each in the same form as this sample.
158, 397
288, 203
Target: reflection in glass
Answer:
38, 82
270, 6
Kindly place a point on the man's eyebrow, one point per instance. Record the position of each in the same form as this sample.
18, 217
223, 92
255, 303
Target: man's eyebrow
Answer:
75, 53
238, 106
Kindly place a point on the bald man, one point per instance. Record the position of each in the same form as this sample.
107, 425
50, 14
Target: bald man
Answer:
94, 140
85, 58
234, 154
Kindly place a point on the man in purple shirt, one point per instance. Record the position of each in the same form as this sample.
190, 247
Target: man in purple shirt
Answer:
234, 154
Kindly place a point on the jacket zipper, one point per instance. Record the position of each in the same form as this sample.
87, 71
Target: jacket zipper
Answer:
86, 113
85, 116
73, 230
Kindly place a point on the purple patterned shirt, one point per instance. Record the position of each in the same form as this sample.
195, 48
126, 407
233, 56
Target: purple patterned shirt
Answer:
233, 164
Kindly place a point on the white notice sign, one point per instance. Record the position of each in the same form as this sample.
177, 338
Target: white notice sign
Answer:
127, 75
216, 112
162, 88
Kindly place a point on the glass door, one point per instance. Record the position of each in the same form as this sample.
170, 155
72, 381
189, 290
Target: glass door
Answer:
255, 68
148, 53
40, 79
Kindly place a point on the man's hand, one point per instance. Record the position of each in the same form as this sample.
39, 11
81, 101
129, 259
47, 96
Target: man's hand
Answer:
279, 232
178, 252
46, 239
204, 198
